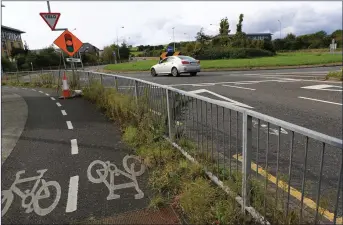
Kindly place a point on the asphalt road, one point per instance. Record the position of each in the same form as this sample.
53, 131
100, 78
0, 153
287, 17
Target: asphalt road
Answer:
64, 138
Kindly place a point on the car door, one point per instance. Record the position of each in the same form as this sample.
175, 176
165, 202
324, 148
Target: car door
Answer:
168, 65
159, 67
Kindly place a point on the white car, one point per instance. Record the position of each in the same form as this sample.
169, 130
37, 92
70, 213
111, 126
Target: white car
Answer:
176, 65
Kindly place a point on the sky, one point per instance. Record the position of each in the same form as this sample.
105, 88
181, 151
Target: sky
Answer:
100, 22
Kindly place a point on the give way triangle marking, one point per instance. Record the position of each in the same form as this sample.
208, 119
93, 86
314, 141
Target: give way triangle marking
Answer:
51, 19
222, 97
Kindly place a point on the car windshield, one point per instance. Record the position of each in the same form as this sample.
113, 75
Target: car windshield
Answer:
186, 58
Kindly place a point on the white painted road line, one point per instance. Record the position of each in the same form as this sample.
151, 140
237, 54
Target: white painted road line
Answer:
64, 113
72, 194
70, 126
226, 100
58, 104
33, 89
52, 98
318, 100
239, 87
324, 87
74, 147
47, 94
40, 92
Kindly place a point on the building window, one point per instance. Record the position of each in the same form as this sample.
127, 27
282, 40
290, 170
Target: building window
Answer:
3, 45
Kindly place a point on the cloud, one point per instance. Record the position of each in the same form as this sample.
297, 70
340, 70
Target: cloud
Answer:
99, 22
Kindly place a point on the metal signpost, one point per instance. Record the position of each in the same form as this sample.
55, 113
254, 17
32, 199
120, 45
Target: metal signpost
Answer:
67, 42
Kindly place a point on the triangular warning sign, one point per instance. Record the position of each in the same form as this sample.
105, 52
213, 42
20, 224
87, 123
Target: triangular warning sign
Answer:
51, 19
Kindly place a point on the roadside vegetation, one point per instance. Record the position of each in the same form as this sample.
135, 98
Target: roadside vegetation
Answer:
174, 180
335, 75
177, 181
280, 60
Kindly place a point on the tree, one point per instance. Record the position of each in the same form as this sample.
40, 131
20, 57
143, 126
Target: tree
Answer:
224, 27
124, 51
202, 37
240, 25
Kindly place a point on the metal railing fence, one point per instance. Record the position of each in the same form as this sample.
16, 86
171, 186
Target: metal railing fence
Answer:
276, 169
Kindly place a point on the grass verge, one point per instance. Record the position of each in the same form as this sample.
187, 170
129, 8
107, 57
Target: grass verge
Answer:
335, 75
280, 60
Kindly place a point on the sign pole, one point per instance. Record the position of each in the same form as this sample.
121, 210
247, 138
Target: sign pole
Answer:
81, 60
48, 3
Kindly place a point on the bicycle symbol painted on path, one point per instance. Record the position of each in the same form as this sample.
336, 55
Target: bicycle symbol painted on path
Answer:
30, 198
110, 169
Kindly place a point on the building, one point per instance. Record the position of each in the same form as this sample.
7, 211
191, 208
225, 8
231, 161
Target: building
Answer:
256, 36
260, 36
89, 48
10, 38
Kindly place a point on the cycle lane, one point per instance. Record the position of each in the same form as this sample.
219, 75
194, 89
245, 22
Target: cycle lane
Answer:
48, 143
99, 142
41, 154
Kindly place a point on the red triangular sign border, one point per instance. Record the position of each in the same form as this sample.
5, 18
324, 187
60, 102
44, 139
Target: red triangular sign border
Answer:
58, 17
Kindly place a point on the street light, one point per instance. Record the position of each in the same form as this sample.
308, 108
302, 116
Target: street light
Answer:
174, 38
280, 27
118, 43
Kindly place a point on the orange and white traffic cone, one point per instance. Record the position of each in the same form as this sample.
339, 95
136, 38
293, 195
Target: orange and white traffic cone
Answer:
65, 87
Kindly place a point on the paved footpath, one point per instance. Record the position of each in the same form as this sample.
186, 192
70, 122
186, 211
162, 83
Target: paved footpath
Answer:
69, 165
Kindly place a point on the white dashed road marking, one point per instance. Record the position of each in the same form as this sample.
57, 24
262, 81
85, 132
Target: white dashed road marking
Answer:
47, 94
70, 125
52, 98
33, 89
74, 147
72, 194
240, 87
325, 87
58, 104
64, 113
40, 92
318, 100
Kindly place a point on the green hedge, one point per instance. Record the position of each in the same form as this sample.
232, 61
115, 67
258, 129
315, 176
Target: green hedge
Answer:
232, 53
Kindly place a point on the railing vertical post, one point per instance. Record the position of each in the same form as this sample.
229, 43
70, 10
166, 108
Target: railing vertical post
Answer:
89, 80
116, 83
169, 113
101, 78
136, 91
247, 152
30, 77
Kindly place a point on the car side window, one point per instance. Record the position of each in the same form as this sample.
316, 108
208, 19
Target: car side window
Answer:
164, 60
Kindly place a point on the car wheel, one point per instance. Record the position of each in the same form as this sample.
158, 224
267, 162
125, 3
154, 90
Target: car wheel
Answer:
193, 74
175, 72
153, 72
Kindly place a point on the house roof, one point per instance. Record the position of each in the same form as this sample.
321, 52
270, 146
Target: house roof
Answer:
85, 45
12, 29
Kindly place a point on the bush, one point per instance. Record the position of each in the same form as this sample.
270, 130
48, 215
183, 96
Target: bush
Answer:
232, 53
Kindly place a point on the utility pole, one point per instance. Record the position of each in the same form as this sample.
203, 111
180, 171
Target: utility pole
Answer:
118, 43
174, 38
280, 28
